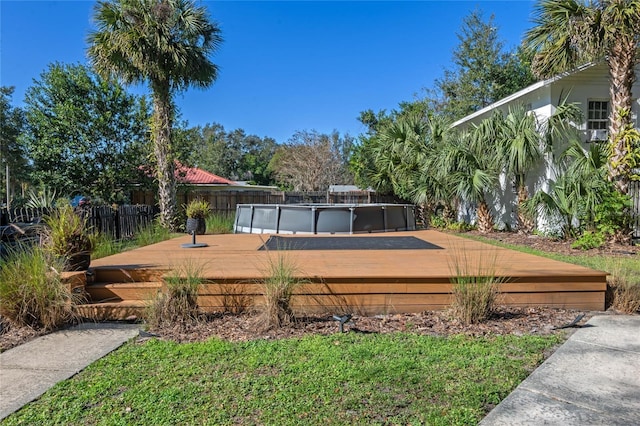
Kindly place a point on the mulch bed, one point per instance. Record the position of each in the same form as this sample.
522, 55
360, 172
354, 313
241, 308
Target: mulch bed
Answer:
559, 246
506, 320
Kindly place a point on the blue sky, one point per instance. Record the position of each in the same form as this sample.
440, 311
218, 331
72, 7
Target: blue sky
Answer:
284, 66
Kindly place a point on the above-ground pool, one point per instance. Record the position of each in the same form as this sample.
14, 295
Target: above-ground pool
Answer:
323, 218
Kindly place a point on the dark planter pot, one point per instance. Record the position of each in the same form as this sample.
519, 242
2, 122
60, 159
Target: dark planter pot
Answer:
78, 262
197, 225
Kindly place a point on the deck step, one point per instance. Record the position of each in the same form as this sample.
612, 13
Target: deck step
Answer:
134, 291
122, 275
111, 311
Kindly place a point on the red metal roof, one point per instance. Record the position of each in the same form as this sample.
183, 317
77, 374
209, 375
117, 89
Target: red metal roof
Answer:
196, 176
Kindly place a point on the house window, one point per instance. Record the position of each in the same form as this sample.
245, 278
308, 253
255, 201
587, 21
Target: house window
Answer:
598, 115
598, 121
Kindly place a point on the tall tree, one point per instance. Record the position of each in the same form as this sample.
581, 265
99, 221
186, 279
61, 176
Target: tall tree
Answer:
233, 155
166, 43
14, 164
84, 134
311, 161
483, 71
569, 33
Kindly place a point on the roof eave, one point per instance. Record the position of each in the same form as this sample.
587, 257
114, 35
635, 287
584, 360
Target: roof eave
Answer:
522, 93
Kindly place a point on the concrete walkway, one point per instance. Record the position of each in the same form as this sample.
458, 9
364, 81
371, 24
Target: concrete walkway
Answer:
29, 370
592, 379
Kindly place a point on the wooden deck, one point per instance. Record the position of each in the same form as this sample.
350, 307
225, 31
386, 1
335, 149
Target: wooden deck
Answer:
359, 281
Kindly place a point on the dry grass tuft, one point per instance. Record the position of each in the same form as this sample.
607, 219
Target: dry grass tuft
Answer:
32, 292
624, 291
177, 304
278, 288
475, 286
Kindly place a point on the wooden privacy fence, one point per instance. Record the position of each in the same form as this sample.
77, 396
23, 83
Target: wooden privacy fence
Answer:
121, 222
226, 201
125, 220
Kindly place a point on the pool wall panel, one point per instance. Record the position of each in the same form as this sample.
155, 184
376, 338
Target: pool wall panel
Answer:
323, 218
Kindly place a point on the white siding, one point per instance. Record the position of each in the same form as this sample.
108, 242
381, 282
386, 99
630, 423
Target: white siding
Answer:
590, 83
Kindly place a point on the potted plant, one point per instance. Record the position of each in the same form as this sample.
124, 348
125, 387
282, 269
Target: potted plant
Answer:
66, 237
197, 212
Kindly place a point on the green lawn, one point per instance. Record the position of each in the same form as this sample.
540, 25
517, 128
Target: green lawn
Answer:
343, 379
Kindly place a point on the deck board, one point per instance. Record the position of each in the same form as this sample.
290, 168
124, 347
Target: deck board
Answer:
374, 280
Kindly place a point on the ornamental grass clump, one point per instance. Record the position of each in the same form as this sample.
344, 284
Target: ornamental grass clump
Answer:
177, 304
278, 290
220, 223
150, 234
32, 292
66, 235
625, 291
198, 209
475, 287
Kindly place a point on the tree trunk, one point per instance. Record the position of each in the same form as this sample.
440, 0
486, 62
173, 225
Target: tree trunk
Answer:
622, 74
526, 224
484, 220
165, 167
424, 213
449, 213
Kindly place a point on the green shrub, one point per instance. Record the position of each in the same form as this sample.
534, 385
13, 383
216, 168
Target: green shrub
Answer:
177, 303
459, 226
613, 216
438, 222
552, 234
31, 290
475, 287
44, 198
589, 240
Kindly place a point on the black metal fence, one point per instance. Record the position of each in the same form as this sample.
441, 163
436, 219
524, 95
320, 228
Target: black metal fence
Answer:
121, 222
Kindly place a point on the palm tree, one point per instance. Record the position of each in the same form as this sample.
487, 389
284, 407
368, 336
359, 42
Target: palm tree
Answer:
431, 187
569, 33
167, 44
523, 142
400, 151
578, 190
472, 165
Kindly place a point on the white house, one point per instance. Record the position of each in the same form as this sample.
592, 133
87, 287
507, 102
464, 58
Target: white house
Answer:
589, 87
